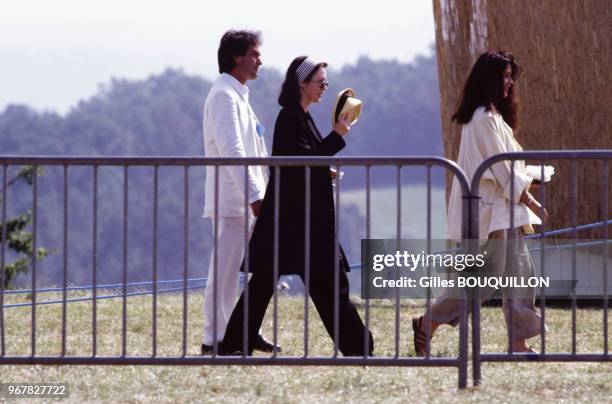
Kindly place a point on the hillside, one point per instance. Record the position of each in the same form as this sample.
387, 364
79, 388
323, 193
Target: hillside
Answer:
161, 116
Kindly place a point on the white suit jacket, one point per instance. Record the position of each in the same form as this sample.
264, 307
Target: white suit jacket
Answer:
230, 130
485, 135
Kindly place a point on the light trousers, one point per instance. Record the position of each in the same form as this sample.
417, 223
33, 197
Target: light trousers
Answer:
230, 253
507, 255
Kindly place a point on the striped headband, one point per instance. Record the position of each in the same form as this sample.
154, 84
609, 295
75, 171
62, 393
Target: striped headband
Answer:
305, 68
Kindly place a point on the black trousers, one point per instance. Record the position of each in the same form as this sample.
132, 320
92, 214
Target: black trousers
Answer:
261, 289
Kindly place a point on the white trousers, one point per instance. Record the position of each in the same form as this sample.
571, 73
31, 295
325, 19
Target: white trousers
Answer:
230, 253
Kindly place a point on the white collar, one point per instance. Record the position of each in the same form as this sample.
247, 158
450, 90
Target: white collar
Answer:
242, 89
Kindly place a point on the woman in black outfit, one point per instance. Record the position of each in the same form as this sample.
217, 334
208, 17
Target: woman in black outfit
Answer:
295, 134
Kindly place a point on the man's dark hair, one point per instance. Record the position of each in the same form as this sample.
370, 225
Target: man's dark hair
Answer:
235, 43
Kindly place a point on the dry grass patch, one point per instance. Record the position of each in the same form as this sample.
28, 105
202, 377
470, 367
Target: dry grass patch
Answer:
546, 382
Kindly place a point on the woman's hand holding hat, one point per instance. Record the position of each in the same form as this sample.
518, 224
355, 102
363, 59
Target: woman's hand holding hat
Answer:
346, 111
342, 126
348, 105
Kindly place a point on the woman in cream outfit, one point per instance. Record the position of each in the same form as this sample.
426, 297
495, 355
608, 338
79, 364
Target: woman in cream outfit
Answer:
488, 113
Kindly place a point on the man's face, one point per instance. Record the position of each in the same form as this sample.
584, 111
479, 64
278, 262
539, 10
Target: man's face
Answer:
247, 66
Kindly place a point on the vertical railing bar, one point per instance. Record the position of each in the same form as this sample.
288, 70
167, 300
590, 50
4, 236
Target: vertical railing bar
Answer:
366, 337
462, 357
2, 257
94, 260
542, 260
215, 262
125, 263
245, 306
64, 259
154, 275
428, 302
471, 233
398, 237
604, 215
34, 236
276, 257
307, 258
185, 255
573, 220
337, 267
509, 257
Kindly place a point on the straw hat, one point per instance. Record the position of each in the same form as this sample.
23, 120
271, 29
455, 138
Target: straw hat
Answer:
346, 103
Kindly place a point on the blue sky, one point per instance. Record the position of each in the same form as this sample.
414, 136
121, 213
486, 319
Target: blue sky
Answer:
54, 53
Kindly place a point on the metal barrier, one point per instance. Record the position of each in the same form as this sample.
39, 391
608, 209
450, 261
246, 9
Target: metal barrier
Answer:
275, 163
470, 230
572, 156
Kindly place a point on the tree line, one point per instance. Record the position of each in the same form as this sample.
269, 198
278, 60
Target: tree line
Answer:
162, 116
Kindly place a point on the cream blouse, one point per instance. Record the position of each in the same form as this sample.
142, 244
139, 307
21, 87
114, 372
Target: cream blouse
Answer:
485, 135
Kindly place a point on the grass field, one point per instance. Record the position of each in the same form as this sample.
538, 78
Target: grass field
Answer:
545, 382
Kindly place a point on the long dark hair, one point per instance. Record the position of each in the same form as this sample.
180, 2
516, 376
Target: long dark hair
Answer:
484, 87
290, 90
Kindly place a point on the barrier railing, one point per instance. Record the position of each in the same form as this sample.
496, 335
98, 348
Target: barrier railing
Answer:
470, 220
573, 156
276, 164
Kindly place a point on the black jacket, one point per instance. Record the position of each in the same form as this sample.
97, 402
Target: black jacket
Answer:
295, 134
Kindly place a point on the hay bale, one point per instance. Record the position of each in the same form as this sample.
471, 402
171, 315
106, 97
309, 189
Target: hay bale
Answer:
565, 96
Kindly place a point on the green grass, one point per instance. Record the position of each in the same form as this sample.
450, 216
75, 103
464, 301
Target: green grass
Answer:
547, 382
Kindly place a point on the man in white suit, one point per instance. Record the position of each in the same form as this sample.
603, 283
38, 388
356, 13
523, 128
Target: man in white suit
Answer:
231, 129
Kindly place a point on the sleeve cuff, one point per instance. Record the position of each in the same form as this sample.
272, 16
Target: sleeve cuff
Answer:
336, 140
521, 183
256, 196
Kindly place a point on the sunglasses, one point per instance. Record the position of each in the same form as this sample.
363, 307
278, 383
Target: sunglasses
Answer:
323, 84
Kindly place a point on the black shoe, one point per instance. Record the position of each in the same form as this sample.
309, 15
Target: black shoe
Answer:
262, 345
234, 353
207, 349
